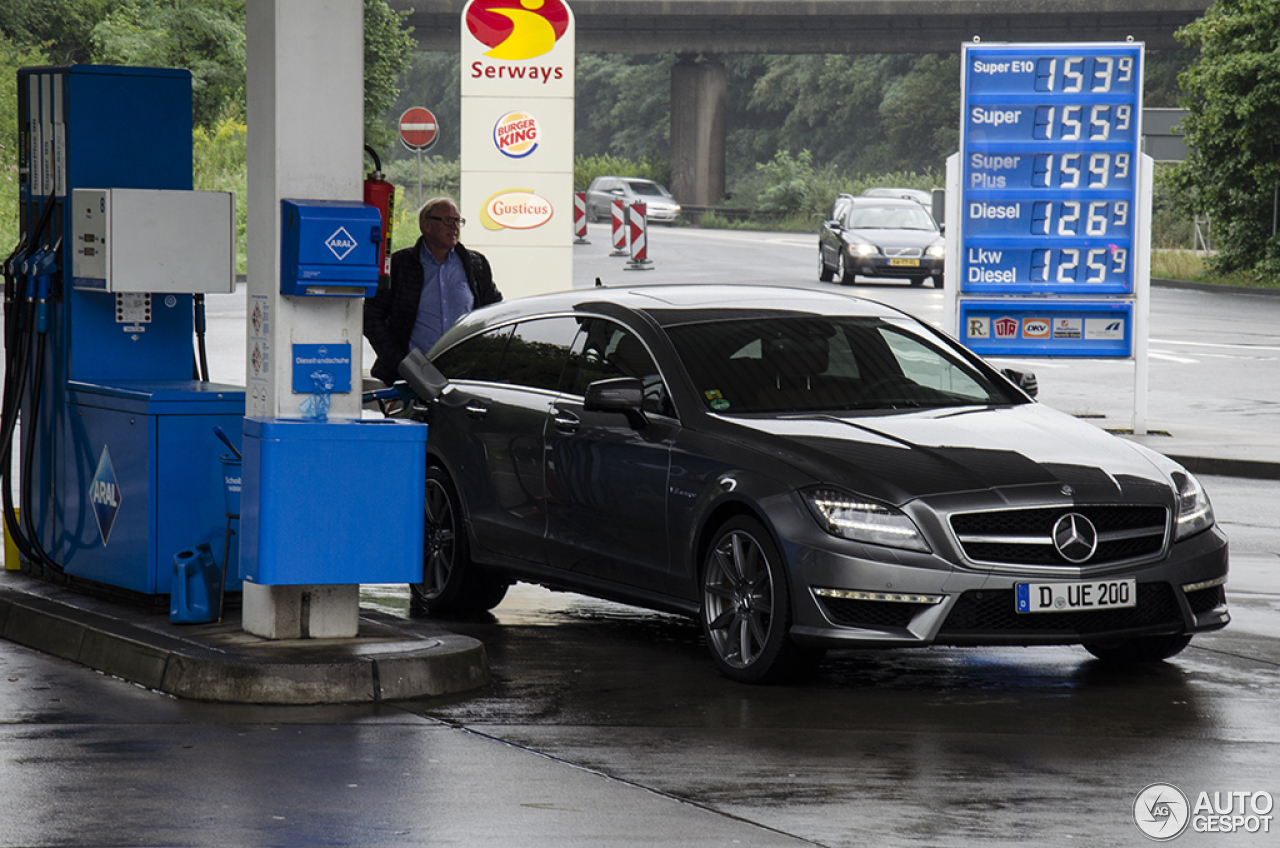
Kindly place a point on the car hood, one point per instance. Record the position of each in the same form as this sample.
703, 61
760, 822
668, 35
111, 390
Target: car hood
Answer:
901, 456
913, 238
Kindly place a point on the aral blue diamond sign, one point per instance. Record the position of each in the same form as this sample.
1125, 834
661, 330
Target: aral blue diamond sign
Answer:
341, 243
104, 494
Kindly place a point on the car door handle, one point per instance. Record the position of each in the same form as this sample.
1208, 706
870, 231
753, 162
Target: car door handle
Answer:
566, 422
477, 409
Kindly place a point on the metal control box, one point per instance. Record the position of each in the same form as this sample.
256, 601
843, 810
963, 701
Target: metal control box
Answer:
153, 240
329, 248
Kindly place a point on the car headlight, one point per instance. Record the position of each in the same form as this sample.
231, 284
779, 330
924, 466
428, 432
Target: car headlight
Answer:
862, 249
937, 251
863, 520
1195, 513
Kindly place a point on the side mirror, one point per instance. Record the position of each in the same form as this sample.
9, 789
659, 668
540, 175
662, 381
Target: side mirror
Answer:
424, 378
617, 394
1024, 380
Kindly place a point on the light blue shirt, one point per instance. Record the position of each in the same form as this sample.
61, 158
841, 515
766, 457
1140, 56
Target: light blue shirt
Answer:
446, 297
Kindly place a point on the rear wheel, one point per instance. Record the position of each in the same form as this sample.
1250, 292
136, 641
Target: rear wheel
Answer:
746, 604
451, 583
1144, 649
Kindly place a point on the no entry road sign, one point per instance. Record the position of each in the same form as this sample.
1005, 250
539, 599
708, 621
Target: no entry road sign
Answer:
418, 128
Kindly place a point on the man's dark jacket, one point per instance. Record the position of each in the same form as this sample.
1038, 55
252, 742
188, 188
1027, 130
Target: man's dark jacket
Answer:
390, 314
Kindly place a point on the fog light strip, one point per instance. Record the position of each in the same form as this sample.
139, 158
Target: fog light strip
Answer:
887, 597
1205, 584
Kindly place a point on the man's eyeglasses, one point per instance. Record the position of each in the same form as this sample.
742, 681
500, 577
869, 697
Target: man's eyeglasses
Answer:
461, 222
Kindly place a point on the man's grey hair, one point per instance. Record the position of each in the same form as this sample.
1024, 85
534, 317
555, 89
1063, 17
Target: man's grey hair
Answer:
430, 206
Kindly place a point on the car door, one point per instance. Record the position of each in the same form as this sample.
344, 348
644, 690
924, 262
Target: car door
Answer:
490, 429
607, 474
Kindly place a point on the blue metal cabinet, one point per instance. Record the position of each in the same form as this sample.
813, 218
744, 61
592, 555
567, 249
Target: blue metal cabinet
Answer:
332, 502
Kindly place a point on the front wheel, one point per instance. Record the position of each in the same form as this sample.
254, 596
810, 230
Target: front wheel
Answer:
746, 603
844, 272
1144, 649
451, 583
824, 273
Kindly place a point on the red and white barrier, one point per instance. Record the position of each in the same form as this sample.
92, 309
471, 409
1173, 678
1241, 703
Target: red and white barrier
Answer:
619, 229
638, 236
580, 218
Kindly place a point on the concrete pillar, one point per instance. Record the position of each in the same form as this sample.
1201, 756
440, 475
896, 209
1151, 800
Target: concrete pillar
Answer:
698, 93
305, 62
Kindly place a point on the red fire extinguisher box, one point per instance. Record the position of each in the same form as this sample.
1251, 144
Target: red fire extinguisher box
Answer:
332, 502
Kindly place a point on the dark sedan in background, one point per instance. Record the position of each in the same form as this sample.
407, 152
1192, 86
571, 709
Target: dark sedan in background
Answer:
880, 237
800, 471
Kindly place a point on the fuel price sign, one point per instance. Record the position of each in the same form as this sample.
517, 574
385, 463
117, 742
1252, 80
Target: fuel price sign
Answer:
1049, 144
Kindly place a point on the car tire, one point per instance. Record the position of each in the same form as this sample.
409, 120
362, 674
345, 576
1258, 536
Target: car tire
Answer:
844, 272
451, 584
825, 274
938, 281
746, 605
917, 281
1143, 649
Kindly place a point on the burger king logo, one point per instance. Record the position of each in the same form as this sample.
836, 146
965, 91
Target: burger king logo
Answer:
516, 134
515, 209
517, 29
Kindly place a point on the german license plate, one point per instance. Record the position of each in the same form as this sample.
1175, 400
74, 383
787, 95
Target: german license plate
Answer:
1075, 597
904, 263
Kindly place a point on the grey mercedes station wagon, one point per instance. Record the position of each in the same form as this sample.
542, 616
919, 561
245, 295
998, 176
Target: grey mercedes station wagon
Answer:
800, 471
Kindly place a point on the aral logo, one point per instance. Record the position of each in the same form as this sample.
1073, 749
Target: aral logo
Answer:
104, 495
341, 243
515, 209
517, 29
516, 134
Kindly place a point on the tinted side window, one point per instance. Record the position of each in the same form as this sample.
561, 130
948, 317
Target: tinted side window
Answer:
606, 350
477, 358
537, 353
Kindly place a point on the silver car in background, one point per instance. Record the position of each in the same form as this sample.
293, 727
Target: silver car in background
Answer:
660, 206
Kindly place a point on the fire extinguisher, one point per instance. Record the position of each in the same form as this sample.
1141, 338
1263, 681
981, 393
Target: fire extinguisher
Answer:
381, 194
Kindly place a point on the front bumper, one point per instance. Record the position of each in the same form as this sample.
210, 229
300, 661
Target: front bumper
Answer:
880, 266
852, 595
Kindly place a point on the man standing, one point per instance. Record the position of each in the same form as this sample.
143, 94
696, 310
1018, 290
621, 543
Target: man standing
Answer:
432, 285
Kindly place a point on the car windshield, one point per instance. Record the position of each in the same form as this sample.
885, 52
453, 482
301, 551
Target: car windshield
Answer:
903, 217
827, 363
649, 189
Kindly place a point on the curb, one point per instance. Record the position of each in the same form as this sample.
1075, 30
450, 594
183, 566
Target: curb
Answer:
400, 664
1212, 287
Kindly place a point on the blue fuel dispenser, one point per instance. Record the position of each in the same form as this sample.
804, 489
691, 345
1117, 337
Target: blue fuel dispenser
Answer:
118, 467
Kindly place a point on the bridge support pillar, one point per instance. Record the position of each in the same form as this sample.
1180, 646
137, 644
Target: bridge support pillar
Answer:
699, 87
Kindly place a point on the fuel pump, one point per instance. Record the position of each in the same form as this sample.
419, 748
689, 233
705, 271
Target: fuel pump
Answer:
118, 466
382, 195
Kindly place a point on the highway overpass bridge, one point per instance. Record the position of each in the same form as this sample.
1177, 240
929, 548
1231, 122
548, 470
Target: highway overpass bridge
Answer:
709, 28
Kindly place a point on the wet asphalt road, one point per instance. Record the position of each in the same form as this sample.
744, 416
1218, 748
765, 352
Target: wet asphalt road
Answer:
606, 725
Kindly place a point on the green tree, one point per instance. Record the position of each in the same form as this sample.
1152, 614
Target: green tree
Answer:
12, 57
388, 49
205, 37
1232, 171
62, 29
622, 105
